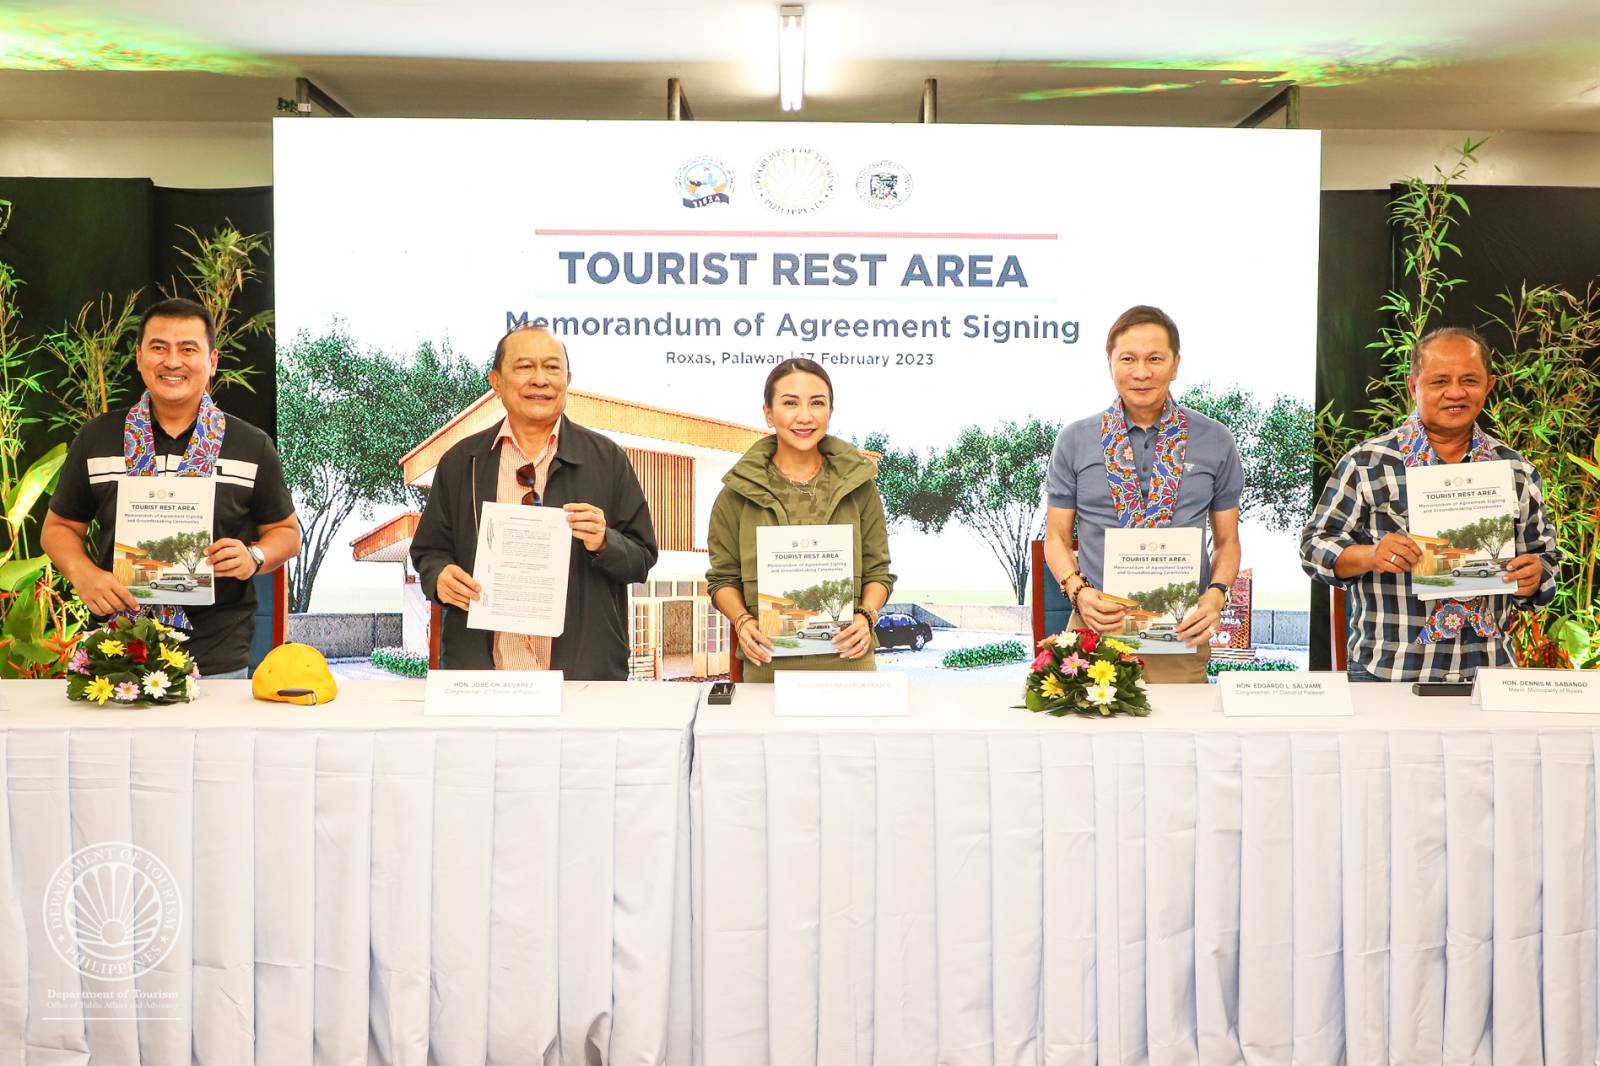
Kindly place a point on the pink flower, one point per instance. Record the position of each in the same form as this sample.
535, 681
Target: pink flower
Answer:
1044, 660
79, 663
1072, 664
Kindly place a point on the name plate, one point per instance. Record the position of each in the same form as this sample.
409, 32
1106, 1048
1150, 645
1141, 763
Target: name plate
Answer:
493, 693
1287, 695
840, 694
1565, 691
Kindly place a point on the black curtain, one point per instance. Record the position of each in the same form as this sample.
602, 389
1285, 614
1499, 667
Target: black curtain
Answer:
1354, 266
1517, 233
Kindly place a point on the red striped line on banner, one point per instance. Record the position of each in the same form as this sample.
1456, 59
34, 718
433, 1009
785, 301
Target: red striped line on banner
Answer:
888, 234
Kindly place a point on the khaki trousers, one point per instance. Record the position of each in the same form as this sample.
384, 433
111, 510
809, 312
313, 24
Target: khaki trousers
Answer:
1166, 669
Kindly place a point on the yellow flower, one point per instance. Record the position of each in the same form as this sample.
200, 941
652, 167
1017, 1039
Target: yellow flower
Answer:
1126, 649
99, 689
1102, 672
109, 647
1051, 688
173, 657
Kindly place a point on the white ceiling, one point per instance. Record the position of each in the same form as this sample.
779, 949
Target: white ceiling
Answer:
1456, 64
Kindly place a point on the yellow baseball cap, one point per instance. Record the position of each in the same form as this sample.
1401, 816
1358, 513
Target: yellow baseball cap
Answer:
294, 673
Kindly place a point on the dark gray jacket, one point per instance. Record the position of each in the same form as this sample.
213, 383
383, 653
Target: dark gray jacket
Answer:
587, 468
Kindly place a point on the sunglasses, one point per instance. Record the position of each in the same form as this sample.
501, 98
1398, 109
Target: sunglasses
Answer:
527, 478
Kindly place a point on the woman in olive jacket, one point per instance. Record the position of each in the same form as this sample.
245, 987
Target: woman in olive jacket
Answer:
798, 476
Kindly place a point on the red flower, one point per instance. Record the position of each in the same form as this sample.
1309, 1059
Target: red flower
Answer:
1044, 661
1088, 640
137, 651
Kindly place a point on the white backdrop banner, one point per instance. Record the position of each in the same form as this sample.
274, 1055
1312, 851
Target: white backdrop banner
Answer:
946, 276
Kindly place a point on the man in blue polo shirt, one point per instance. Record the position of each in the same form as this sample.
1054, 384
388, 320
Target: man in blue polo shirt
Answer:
1171, 466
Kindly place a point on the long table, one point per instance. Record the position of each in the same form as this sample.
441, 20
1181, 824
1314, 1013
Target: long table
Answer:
352, 879
969, 884
977, 884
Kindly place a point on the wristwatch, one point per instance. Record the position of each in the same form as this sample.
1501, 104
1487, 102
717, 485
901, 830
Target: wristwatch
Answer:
258, 556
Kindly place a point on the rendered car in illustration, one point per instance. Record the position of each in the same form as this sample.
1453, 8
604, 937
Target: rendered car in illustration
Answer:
174, 583
895, 629
1477, 568
1159, 631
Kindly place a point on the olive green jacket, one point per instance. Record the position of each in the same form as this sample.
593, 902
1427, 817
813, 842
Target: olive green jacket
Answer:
746, 502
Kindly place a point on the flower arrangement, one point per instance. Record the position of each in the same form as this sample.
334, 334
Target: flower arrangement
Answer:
132, 663
1079, 671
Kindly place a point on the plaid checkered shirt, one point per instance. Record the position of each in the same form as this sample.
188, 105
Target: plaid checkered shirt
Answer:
1366, 499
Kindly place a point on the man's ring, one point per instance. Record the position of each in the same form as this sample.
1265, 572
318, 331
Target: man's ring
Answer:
1393, 558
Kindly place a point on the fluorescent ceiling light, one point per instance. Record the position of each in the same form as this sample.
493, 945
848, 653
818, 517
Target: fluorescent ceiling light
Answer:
791, 55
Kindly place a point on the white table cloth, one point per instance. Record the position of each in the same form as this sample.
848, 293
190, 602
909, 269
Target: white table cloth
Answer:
975, 884
359, 883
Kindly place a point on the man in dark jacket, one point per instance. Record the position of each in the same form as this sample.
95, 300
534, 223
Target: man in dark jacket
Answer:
538, 456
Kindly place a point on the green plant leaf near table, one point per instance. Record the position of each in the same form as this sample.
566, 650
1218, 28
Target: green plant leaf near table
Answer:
16, 573
38, 481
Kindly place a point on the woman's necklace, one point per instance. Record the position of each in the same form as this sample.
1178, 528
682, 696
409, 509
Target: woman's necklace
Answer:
806, 487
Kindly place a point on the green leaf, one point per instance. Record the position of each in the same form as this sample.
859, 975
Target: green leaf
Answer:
19, 572
27, 653
1573, 638
23, 621
40, 478
1592, 469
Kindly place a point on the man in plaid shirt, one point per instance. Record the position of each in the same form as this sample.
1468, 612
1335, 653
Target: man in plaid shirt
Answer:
1357, 537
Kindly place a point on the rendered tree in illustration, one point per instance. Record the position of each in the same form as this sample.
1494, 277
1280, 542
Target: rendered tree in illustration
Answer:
1489, 535
187, 550
1174, 600
990, 481
834, 598
345, 417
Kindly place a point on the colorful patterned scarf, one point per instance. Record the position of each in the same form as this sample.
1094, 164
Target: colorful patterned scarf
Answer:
199, 460
199, 457
1136, 506
1449, 616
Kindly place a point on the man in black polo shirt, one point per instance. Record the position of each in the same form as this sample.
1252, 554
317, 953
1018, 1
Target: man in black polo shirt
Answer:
174, 429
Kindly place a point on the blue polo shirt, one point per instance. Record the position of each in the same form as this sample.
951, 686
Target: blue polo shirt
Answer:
1213, 480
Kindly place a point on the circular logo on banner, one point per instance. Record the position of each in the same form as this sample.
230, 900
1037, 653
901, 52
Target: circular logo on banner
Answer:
112, 911
883, 184
794, 181
705, 181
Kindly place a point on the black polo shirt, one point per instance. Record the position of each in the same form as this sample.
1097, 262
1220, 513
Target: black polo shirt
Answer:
250, 493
